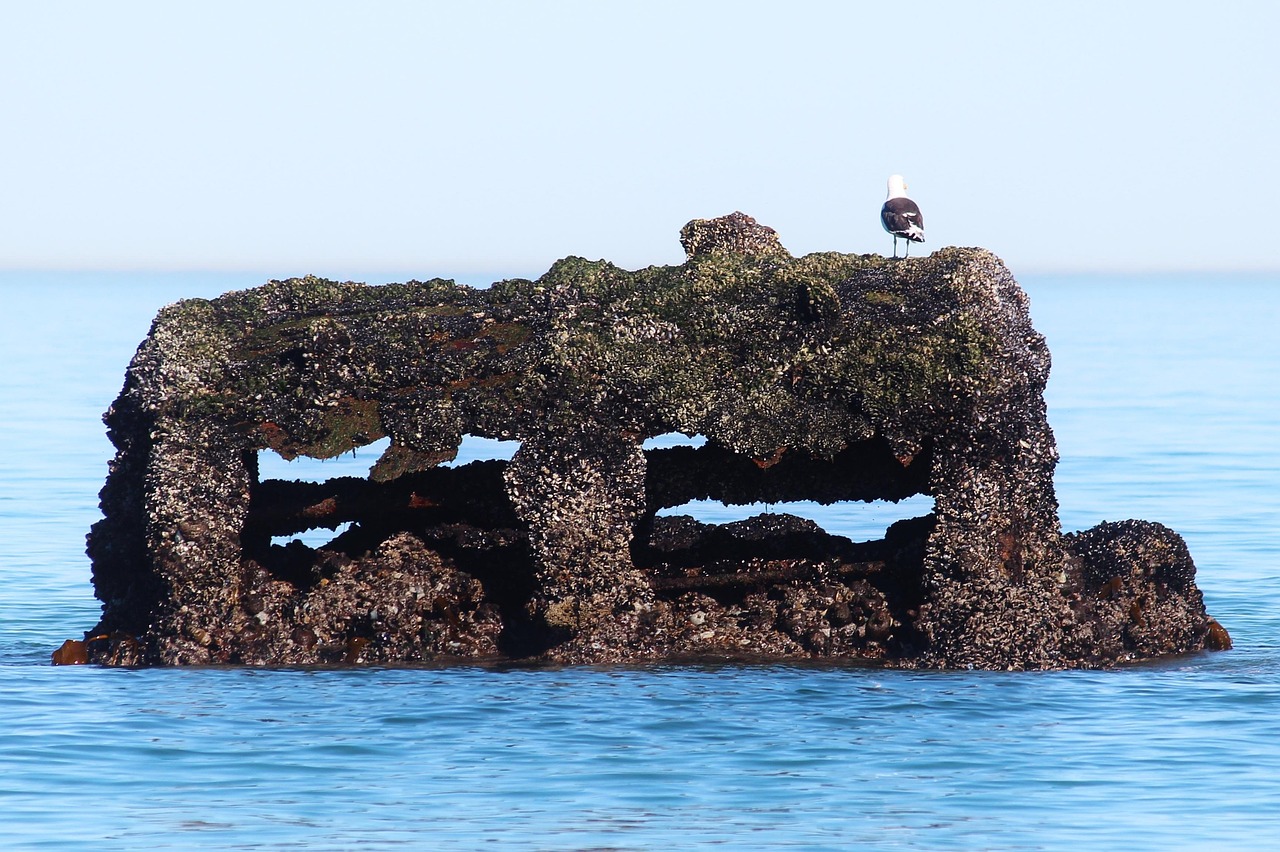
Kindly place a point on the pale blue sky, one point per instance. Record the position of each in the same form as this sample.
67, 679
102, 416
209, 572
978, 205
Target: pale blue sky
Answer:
444, 138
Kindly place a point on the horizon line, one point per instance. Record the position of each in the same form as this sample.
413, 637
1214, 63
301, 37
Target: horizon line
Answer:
498, 272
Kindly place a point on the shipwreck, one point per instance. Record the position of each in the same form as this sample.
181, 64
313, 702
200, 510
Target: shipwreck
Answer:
829, 377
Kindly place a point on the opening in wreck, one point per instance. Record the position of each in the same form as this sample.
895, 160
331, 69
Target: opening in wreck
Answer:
310, 520
792, 517
698, 496
460, 519
356, 464
858, 520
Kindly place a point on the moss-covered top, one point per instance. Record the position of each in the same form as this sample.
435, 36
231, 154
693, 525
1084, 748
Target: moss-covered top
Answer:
754, 348
764, 351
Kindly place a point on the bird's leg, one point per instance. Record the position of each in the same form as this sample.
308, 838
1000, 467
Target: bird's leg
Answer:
895, 246
907, 253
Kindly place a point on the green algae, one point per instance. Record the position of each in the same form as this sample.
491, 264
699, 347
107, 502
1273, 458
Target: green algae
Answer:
758, 351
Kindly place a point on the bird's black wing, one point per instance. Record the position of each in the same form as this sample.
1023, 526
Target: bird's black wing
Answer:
899, 214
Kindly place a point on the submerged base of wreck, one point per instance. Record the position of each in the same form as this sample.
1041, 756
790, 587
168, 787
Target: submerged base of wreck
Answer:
829, 377
426, 585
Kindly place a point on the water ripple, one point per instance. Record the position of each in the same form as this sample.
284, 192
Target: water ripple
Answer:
1155, 405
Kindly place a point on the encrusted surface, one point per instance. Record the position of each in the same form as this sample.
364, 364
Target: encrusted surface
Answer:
828, 377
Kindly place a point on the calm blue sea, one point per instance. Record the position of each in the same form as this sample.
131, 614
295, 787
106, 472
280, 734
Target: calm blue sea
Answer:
1165, 401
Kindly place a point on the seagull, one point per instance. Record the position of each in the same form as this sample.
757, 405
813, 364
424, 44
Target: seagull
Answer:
900, 215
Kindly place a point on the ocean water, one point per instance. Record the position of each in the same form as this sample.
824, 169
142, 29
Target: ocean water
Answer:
1165, 404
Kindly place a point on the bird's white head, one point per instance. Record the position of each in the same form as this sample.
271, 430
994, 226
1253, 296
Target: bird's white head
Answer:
897, 186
